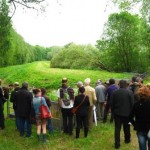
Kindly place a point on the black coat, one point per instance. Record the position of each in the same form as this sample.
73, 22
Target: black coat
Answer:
122, 101
140, 116
84, 108
23, 102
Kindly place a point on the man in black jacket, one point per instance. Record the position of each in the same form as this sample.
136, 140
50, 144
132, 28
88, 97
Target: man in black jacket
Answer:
121, 104
23, 108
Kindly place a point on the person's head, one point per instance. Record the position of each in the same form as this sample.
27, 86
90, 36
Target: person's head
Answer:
10, 86
25, 85
123, 84
16, 84
64, 81
81, 90
111, 81
79, 84
98, 82
37, 92
139, 80
133, 79
43, 90
87, 81
144, 93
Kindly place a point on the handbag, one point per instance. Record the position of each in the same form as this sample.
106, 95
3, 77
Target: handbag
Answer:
44, 111
74, 110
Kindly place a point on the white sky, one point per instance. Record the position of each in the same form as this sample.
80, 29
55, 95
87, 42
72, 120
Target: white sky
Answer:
78, 21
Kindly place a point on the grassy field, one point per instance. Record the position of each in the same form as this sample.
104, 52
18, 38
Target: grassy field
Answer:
39, 74
100, 138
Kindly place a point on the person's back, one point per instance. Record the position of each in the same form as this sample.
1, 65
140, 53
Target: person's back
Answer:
122, 102
100, 92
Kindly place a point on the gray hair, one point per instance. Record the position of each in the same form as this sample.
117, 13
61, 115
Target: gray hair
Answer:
25, 85
87, 81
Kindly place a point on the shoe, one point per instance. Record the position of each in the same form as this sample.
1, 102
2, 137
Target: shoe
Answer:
45, 138
117, 146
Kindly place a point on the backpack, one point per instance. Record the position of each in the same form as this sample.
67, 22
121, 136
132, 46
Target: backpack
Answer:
66, 97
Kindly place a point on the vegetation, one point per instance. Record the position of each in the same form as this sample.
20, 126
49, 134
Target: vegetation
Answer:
39, 74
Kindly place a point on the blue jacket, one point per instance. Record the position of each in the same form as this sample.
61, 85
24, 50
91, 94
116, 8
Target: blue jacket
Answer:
37, 101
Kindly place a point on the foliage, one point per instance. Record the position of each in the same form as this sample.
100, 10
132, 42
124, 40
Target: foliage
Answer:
74, 56
122, 44
5, 26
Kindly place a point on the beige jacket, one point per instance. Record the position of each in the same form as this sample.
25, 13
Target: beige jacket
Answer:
90, 92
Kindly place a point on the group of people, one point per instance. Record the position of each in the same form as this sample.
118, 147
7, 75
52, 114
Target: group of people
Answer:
129, 103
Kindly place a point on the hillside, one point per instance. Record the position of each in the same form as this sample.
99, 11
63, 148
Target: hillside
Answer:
39, 74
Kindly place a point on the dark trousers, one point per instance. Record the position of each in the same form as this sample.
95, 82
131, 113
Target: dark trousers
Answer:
2, 125
24, 122
81, 120
16, 120
67, 116
106, 110
119, 121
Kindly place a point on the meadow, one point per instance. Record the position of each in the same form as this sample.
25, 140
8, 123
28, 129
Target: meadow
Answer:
39, 74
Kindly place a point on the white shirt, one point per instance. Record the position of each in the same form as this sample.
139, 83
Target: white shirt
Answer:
63, 106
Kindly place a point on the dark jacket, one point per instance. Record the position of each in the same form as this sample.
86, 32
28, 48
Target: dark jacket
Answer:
12, 99
122, 101
23, 102
2, 98
84, 108
140, 116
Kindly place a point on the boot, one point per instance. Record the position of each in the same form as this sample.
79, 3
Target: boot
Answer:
44, 138
38, 137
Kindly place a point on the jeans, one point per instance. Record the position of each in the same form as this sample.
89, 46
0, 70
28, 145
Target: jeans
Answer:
143, 139
50, 126
16, 120
23, 121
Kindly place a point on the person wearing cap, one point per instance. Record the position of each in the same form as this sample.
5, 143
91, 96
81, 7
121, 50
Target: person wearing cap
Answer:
23, 100
66, 105
12, 99
90, 92
100, 94
2, 123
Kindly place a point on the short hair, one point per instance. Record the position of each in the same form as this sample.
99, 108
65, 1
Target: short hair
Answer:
80, 84
64, 80
35, 91
123, 83
43, 90
82, 89
143, 93
87, 81
111, 81
134, 79
25, 85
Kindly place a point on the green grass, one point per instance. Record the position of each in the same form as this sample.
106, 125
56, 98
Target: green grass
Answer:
39, 74
99, 138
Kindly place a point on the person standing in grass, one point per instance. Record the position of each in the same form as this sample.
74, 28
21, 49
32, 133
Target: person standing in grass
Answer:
140, 117
23, 100
12, 99
122, 101
2, 99
65, 96
90, 92
100, 94
40, 123
82, 112
48, 102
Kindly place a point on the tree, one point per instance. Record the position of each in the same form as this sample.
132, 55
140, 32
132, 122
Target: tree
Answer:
122, 46
5, 26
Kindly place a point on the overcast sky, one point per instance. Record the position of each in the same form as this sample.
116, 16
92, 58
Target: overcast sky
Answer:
78, 21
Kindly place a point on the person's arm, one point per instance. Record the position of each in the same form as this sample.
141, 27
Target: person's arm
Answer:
94, 96
44, 103
132, 116
59, 100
